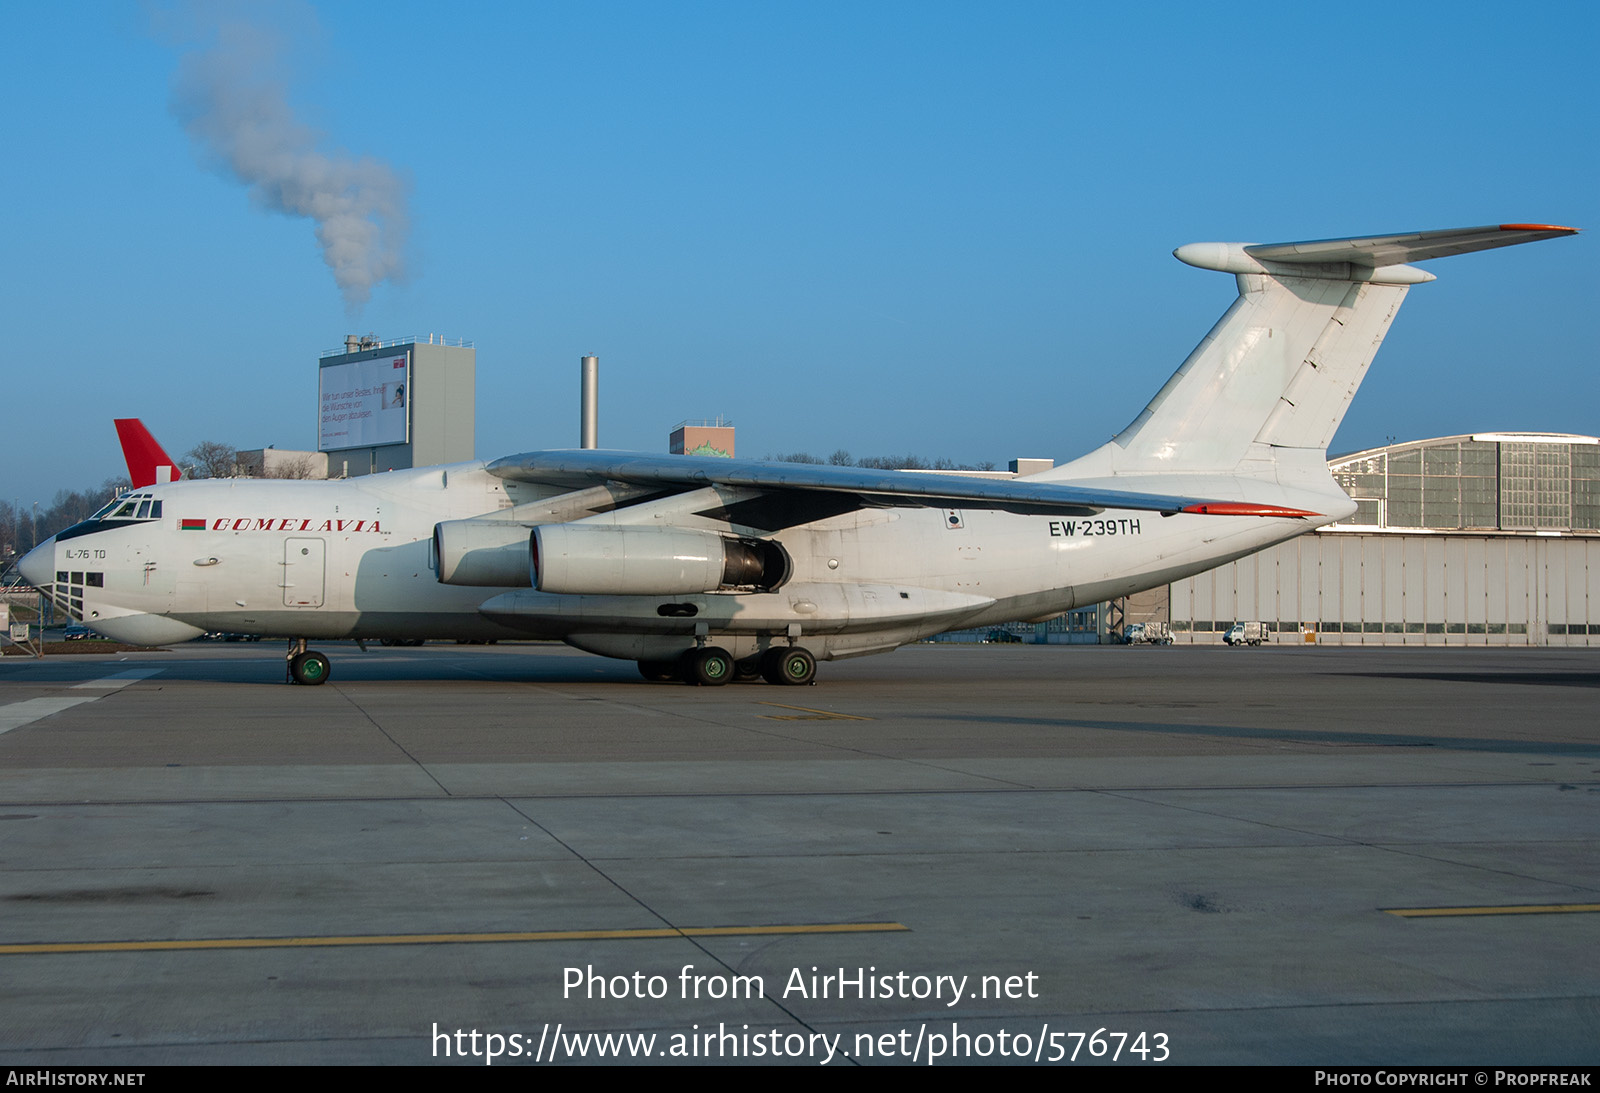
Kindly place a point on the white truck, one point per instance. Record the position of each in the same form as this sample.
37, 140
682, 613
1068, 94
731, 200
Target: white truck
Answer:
1147, 633
1246, 633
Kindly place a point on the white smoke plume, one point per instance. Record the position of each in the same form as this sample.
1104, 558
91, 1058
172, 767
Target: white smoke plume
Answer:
232, 98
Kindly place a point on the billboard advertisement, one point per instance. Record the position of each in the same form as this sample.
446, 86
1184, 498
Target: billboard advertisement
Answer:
364, 404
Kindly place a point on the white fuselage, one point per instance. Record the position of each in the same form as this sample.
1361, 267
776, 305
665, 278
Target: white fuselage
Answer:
355, 559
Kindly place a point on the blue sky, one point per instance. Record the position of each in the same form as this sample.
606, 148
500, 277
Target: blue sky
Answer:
886, 227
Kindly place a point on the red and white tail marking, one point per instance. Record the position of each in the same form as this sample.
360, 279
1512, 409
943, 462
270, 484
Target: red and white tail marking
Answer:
148, 462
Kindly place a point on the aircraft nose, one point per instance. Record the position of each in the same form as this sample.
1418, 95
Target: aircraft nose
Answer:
39, 564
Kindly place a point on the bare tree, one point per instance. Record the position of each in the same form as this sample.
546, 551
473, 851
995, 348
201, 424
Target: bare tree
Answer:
841, 458
8, 529
302, 467
211, 459
72, 506
895, 462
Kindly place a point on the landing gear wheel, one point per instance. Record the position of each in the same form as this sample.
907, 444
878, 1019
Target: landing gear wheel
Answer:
791, 665
708, 667
747, 670
310, 668
660, 671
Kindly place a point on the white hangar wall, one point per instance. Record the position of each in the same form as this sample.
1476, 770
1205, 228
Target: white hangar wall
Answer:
1483, 539
1373, 588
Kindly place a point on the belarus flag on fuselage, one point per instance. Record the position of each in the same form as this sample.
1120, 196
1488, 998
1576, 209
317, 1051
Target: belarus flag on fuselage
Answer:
191, 524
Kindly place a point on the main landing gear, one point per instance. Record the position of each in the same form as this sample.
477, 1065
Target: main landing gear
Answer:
707, 666
711, 666
790, 664
306, 665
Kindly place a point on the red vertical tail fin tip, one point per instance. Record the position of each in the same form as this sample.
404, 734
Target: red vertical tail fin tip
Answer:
148, 462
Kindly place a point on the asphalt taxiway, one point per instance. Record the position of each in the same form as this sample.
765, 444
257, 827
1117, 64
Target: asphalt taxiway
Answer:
1277, 855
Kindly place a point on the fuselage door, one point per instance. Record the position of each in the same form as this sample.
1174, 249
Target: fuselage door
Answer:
304, 565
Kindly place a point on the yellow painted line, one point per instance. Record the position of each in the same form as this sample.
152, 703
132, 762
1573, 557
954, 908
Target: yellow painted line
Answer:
1514, 909
820, 714
445, 939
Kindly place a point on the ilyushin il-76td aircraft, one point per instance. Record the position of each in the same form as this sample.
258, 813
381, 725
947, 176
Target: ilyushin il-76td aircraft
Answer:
709, 570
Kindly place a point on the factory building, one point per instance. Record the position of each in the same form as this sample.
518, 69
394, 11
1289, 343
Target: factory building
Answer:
712, 436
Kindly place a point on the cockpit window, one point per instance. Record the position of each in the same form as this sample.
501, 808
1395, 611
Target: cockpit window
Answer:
125, 509
139, 506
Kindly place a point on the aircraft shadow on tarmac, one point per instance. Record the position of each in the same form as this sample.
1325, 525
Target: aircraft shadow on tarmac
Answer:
1534, 679
1320, 737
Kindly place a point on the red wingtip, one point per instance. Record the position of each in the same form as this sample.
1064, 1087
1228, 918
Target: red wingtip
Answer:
148, 462
1241, 508
1537, 228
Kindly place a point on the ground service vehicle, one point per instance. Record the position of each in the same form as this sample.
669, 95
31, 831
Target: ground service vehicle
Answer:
1246, 633
1146, 633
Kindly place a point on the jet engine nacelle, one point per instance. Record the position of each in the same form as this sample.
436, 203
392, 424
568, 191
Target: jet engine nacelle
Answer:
580, 559
482, 553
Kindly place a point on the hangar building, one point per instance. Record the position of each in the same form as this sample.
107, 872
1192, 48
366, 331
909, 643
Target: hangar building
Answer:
1485, 539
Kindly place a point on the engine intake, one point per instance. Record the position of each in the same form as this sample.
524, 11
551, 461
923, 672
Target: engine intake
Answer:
481, 553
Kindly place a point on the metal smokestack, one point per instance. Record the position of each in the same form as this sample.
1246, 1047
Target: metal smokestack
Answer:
589, 426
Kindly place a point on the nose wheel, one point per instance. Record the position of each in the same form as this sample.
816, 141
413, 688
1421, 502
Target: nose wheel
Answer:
307, 666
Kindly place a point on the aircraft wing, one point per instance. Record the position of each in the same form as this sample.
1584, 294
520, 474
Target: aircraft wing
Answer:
587, 467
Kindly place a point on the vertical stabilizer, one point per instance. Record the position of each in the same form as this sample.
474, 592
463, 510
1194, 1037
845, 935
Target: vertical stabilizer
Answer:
148, 462
1270, 384
1281, 332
